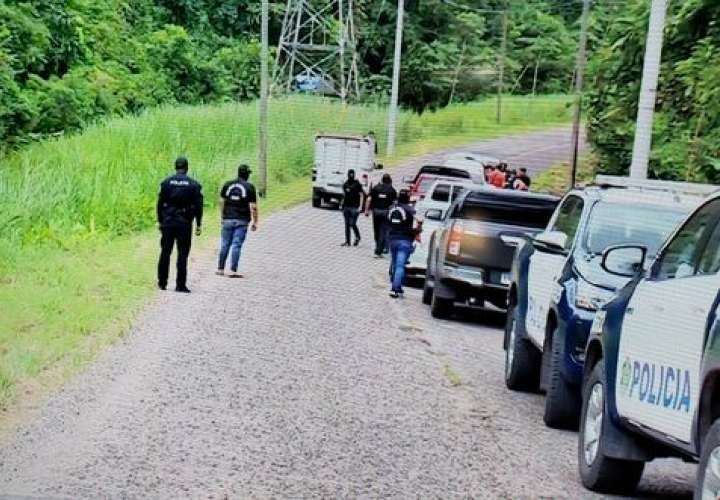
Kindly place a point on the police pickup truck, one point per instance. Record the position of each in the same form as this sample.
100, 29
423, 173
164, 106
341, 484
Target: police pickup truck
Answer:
558, 282
651, 381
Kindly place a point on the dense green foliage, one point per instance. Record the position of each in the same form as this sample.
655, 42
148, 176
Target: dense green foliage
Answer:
686, 134
66, 63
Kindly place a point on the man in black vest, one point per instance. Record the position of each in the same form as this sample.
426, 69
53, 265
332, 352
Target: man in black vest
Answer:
352, 202
238, 205
179, 202
403, 232
382, 196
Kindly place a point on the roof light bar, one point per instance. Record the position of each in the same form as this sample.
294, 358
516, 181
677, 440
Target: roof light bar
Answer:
656, 185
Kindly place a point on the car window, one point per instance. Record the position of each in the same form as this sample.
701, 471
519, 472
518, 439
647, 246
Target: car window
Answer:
710, 260
680, 257
441, 193
624, 223
506, 213
568, 218
457, 191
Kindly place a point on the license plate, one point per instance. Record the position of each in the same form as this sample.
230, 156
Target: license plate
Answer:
505, 278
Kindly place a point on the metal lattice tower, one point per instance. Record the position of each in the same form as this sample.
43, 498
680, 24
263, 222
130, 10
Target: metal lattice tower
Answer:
317, 45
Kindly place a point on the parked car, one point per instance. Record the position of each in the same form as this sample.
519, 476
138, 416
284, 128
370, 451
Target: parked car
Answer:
472, 161
651, 381
334, 156
435, 204
467, 260
558, 283
421, 182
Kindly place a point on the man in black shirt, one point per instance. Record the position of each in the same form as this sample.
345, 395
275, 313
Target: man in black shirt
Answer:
382, 197
238, 203
402, 235
179, 202
351, 204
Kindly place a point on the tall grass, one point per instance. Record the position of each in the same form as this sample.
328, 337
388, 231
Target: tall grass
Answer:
106, 179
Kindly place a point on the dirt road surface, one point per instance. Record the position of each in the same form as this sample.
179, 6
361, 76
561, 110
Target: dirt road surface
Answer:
304, 379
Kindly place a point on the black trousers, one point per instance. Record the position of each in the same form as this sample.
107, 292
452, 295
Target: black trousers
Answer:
351, 217
172, 235
381, 228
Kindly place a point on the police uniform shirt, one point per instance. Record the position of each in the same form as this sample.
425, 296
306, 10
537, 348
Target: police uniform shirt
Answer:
382, 196
353, 193
401, 219
180, 201
238, 195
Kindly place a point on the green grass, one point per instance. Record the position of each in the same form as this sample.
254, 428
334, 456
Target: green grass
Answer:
557, 178
77, 244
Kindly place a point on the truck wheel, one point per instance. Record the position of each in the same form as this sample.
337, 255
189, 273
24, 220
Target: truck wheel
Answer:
441, 308
599, 472
562, 402
316, 202
427, 295
708, 472
522, 360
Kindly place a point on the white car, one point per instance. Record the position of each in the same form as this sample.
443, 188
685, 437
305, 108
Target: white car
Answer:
474, 163
435, 203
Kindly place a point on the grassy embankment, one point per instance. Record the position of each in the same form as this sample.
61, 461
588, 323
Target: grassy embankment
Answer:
77, 244
557, 178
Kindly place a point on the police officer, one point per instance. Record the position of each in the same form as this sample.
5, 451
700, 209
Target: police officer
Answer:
353, 195
179, 202
238, 206
402, 235
382, 196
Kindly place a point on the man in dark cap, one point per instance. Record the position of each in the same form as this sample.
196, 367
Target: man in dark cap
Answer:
382, 196
352, 202
404, 229
238, 205
179, 202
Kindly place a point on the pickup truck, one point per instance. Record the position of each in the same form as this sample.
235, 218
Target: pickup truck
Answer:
467, 260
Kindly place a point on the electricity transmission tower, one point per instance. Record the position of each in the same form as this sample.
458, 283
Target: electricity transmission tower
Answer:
317, 50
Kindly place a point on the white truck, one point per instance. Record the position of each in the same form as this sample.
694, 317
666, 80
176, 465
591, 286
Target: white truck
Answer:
334, 156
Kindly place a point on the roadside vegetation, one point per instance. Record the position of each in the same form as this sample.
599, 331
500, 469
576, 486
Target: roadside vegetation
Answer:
556, 179
77, 245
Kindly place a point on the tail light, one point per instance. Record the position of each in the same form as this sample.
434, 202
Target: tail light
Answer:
456, 235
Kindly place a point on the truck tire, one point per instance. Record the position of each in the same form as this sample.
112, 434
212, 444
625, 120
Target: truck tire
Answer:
522, 360
599, 472
562, 401
316, 202
441, 308
708, 482
427, 295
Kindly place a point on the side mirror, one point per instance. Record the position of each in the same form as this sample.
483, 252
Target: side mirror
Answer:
408, 179
514, 238
624, 260
551, 241
434, 214
379, 166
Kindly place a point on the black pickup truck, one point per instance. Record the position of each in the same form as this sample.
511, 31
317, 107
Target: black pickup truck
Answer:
468, 261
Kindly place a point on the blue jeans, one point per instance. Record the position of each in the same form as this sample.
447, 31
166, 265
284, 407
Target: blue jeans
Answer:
233, 235
400, 250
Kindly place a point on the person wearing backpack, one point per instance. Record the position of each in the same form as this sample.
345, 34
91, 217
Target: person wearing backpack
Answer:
238, 205
403, 233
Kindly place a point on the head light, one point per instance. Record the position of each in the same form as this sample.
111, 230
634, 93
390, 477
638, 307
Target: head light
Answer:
591, 297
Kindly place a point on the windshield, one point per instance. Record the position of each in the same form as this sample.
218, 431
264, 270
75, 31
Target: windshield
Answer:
618, 224
507, 213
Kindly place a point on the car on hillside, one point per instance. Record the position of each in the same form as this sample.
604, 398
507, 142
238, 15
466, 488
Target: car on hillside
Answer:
558, 282
651, 378
435, 205
467, 260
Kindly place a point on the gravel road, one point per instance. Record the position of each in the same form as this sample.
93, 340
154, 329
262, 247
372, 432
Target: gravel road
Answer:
303, 379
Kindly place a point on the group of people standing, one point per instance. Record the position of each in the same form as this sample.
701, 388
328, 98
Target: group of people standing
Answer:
503, 177
395, 226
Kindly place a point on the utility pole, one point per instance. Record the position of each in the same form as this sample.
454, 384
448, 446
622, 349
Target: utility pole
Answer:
501, 63
648, 91
579, 76
263, 108
392, 118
